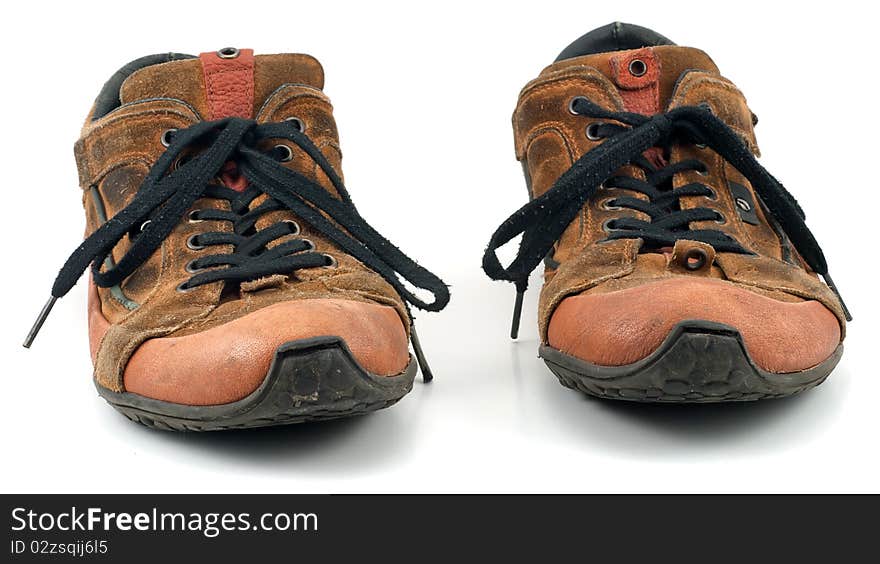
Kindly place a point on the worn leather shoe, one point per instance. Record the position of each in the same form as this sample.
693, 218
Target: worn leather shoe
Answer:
677, 269
234, 283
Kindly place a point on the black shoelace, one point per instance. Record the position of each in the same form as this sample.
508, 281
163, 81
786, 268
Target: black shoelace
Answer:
184, 173
543, 220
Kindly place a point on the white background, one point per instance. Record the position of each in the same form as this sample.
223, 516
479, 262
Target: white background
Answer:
423, 95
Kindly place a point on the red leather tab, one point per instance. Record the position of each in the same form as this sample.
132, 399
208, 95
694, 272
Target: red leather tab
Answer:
229, 84
637, 76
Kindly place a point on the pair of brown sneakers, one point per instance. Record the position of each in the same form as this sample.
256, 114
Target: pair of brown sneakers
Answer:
234, 284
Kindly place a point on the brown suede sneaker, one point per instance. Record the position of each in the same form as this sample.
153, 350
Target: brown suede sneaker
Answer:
677, 268
234, 284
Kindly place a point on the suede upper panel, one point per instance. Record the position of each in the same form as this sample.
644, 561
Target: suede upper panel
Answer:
543, 106
312, 108
722, 97
273, 71
176, 80
549, 139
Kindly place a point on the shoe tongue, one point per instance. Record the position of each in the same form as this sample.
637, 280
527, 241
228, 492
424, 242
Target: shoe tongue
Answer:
643, 65
225, 83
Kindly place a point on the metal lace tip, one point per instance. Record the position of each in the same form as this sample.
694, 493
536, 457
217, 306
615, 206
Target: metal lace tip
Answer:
44, 313
427, 375
830, 283
517, 314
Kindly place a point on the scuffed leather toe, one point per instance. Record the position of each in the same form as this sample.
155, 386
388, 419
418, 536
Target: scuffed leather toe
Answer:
227, 362
625, 326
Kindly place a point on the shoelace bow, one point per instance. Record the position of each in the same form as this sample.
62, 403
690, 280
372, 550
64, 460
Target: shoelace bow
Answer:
543, 220
170, 189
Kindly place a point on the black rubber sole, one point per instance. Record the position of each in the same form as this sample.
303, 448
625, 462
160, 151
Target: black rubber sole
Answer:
309, 380
699, 362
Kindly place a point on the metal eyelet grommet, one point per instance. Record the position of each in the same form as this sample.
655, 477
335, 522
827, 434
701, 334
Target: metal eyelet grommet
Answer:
228, 53
571, 104
167, 137
294, 226
695, 259
192, 217
721, 219
638, 67
184, 287
331, 262
593, 131
309, 244
191, 268
743, 204
607, 206
607, 227
704, 172
713, 196
192, 245
700, 146
298, 123
182, 160
284, 153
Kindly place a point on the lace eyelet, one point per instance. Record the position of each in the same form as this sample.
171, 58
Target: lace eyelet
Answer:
713, 196
593, 131
298, 123
571, 104
167, 137
191, 268
638, 67
607, 206
192, 245
191, 217
331, 261
228, 53
695, 259
184, 287
309, 244
704, 172
293, 225
721, 219
284, 153
607, 227
180, 161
